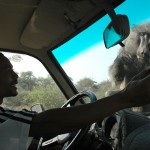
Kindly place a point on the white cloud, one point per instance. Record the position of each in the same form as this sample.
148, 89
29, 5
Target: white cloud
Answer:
28, 63
92, 63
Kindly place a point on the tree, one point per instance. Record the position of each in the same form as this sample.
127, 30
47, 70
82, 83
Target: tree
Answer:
36, 90
27, 80
98, 88
85, 84
44, 81
103, 87
45, 91
50, 96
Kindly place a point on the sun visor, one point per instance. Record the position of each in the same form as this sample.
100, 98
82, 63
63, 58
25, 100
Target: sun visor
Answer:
53, 21
57, 20
46, 25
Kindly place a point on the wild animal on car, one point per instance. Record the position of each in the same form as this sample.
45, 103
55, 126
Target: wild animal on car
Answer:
131, 59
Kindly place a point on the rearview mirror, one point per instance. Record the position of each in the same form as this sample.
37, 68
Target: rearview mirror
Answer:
117, 30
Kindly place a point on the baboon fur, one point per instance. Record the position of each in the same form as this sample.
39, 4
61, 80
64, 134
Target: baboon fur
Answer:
132, 58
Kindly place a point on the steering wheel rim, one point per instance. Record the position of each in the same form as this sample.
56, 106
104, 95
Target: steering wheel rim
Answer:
70, 143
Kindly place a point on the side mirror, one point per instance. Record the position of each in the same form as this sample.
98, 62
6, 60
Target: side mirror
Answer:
37, 108
117, 30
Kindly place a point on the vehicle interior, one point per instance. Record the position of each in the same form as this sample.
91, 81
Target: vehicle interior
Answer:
62, 52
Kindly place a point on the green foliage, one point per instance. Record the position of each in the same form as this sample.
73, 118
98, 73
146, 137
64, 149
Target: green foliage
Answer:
102, 88
49, 96
27, 80
98, 88
34, 90
85, 84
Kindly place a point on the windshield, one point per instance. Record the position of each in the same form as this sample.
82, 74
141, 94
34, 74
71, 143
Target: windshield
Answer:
85, 58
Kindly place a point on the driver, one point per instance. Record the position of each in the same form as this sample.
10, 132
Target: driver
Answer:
18, 127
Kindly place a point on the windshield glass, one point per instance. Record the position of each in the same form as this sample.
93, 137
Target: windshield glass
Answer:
85, 58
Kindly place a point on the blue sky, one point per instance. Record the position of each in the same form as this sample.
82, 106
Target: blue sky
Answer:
91, 40
134, 9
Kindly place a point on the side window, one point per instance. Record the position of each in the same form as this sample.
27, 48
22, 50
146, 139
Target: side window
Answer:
35, 85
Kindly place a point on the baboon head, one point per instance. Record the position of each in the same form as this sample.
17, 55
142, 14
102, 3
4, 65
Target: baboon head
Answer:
138, 43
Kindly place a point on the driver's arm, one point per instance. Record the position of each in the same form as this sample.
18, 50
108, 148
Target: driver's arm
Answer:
57, 121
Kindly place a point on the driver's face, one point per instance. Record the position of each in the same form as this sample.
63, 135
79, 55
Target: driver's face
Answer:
8, 79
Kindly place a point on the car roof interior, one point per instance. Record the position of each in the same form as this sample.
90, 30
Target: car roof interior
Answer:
35, 26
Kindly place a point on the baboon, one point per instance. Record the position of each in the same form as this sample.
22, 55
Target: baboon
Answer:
132, 58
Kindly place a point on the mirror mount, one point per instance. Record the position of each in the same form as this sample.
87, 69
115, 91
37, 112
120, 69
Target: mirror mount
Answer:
112, 14
110, 10
117, 30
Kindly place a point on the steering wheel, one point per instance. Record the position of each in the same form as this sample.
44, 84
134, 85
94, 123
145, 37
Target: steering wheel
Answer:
70, 140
